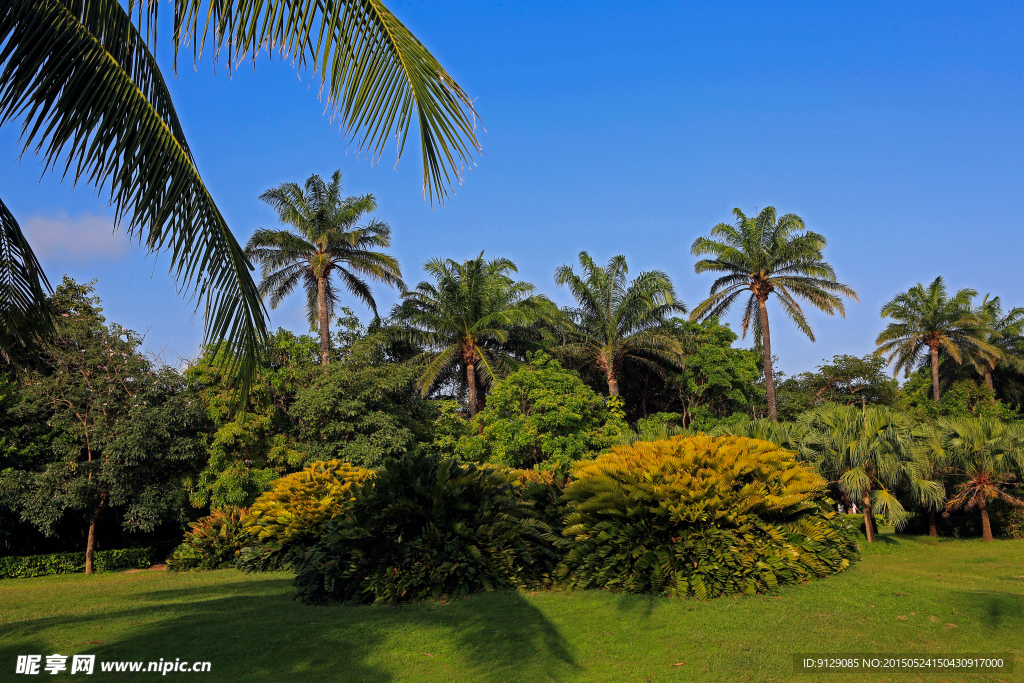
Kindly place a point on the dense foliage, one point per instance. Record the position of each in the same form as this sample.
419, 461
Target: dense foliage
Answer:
290, 517
701, 516
213, 542
426, 527
541, 414
73, 563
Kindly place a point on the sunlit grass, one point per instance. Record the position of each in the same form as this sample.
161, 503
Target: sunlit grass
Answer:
908, 595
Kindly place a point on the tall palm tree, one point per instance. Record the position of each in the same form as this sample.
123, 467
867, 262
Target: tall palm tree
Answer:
469, 321
765, 254
929, 322
80, 78
1001, 331
325, 242
615, 321
870, 452
989, 457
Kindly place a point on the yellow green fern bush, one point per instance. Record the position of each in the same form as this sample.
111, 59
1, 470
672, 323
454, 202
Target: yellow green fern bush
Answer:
290, 517
701, 516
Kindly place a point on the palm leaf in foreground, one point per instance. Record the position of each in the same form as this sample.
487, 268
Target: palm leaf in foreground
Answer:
22, 288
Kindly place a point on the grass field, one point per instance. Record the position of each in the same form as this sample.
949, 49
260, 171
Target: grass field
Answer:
908, 595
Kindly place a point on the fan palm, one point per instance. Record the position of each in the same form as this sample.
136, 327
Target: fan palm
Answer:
326, 242
469, 321
989, 456
765, 254
615, 321
927, 318
869, 452
81, 79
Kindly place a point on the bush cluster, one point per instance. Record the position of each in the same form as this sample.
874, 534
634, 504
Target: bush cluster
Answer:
73, 563
213, 542
426, 527
701, 516
290, 517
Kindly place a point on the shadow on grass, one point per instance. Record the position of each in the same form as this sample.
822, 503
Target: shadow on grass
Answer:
255, 631
997, 610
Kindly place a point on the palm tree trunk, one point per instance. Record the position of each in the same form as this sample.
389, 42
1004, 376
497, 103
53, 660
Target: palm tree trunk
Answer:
90, 543
986, 525
471, 383
988, 380
766, 346
613, 385
933, 529
325, 333
869, 523
935, 373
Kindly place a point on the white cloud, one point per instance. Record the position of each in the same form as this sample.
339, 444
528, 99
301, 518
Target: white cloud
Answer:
83, 237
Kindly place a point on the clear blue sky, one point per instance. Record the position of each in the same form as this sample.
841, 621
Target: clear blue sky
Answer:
894, 128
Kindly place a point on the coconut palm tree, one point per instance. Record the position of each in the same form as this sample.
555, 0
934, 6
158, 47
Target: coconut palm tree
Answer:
615, 321
81, 80
471, 321
767, 254
869, 452
928, 322
989, 457
325, 243
1002, 332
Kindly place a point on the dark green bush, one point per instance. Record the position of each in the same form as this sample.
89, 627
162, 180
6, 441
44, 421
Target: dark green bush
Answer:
213, 542
73, 563
701, 516
425, 527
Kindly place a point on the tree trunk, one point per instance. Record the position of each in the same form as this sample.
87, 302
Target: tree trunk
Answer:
766, 346
933, 529
869, 523
613, 384
90, 543
986, 526
988, 381
471, 384
935, 374
325, 328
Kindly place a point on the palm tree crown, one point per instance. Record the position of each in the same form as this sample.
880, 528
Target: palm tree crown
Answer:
614, 320
325, 242
470, 321
1002, 332
929, 322
761, 255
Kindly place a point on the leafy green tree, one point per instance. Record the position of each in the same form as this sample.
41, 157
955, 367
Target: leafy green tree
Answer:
127, 432
845, 379
988, 456
765, 254
80, 78
361, 412
325, 242
616, 321
252, 444
473, 322
871, 454
541, 414
927, 323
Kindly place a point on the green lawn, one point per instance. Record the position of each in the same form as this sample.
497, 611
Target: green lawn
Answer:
908, 595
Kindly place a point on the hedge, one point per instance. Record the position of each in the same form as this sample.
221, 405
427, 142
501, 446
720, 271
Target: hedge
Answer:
73, 563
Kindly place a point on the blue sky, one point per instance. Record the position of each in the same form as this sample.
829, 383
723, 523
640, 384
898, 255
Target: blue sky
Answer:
893, 128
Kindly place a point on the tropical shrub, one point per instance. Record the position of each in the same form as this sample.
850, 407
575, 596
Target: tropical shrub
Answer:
290, 517
543, 489
702, 516
425, 527
213, 542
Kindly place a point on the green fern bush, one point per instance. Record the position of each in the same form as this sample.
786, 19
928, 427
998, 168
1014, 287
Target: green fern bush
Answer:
425, 527
290, 517
213, 542
701, 516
